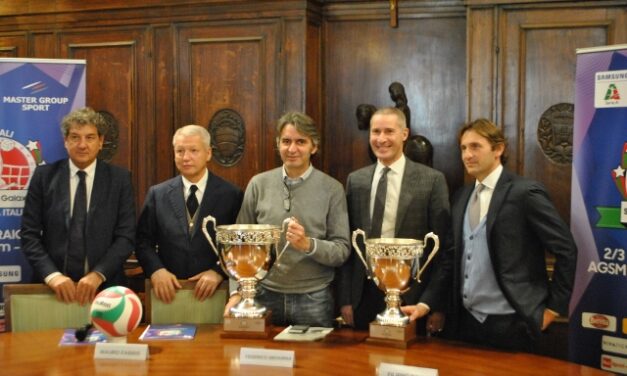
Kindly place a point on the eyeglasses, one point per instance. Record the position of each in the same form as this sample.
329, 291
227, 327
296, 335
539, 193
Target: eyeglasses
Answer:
287, 200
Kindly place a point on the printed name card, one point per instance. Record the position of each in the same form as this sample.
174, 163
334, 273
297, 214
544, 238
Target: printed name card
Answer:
388, 369
265, 357
126, 351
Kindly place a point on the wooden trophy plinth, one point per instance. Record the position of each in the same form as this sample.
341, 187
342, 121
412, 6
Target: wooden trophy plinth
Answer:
254, 328
392, 336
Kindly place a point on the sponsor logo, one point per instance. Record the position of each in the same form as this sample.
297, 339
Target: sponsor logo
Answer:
10, 273
614, 363
598, 321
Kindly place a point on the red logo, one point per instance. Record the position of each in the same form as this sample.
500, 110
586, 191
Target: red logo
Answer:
606, 362
599, 321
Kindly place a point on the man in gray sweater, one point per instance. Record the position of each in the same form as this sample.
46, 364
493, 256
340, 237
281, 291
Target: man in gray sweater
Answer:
297, 289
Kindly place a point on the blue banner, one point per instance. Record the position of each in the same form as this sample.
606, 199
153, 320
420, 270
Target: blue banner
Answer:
35, 94
598, 308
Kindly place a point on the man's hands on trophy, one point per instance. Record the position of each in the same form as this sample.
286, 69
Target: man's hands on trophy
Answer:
415, 311
208, 282
87, 287
64, 288
164, 285
233, 300
297, 237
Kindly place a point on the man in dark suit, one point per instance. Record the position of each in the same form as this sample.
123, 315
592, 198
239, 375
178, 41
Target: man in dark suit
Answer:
495, 265
170, 241
78, 224
416, 203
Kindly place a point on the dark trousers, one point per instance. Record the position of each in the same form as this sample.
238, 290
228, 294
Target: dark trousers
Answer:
507, 332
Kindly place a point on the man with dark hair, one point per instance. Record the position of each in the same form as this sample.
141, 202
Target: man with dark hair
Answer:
78, 225
495, 266
170, 241
414, 203
298, 292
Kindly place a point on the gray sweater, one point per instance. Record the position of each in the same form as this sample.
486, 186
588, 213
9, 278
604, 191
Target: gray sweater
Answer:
319, 204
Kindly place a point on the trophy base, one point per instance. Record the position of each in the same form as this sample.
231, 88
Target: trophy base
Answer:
399, 337
244, 327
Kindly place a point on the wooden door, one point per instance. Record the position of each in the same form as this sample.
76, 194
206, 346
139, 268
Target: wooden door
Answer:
231, 67
535, 87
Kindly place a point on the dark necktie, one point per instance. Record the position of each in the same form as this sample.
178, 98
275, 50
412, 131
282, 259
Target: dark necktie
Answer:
474, 209
75, 267
379, 204
192, 201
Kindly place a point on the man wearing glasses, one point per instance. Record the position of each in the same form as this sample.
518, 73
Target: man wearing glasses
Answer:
297, 289
78, 224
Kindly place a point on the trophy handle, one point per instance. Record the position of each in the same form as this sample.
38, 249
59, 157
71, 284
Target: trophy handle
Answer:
286, 222
359, 253
211, 219
436, 248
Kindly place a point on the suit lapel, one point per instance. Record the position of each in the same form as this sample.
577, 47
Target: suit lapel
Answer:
177, 202
459, 212
99, 191
410, 178
498, 197
61, 184
207, 204
364, 202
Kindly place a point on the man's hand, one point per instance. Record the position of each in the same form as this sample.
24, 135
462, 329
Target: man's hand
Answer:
347, 314
208, 282
548, 317
87, 287
297, 237
164, 284
64, 288
435, 323
233, 300
415, 311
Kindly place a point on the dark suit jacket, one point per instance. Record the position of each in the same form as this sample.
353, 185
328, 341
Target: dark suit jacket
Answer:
110, 227
423, 207
163, 239
521, 224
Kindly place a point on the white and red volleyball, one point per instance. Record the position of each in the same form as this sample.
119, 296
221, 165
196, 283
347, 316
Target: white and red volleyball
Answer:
116, 311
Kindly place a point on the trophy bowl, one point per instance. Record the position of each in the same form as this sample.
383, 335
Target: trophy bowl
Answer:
246, 252
390, 263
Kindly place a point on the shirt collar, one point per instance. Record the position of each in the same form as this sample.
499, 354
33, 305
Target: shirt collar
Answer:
303, 177
201, 184
397, 167
491, 180
89, 170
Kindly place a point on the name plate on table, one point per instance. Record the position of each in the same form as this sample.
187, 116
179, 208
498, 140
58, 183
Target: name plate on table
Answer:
125, 351
388, 369
265, 357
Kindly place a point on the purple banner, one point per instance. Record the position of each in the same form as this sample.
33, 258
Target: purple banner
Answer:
598, 308
35, 94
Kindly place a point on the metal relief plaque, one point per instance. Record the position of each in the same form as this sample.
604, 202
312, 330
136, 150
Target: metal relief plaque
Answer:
555, 133
112, 136
228, 136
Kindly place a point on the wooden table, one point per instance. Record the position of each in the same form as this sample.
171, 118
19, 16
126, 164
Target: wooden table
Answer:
343, 352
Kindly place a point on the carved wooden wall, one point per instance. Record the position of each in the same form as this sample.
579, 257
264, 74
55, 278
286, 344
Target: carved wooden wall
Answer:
158, 65
522, 63
364, 55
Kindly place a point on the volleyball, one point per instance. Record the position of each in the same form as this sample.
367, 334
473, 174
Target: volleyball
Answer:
116, 311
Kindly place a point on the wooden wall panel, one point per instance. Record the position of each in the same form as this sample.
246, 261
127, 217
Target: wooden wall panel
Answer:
362, 57
116, 69
13, 45
232, 67
538, 71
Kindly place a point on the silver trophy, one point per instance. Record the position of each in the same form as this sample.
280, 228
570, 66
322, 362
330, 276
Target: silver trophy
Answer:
390, 262
246, 253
